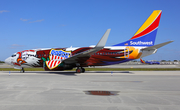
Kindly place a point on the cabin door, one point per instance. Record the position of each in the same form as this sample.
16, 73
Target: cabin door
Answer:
126, 53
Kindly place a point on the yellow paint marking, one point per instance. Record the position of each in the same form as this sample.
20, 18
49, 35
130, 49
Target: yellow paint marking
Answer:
149, 21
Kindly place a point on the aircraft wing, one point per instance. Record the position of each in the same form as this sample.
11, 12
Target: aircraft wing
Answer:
83, 56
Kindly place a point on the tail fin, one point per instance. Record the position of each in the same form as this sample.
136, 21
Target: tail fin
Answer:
142, 61
146, 34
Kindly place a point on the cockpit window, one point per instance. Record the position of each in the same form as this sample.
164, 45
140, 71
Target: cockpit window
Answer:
13, 55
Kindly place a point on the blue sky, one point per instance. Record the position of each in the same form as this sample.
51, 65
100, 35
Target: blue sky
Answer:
29, 24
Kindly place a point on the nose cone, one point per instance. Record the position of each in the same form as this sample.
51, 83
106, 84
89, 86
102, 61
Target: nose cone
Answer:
8, 61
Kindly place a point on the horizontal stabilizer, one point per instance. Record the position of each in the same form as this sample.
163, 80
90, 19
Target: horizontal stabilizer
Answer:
157, 46
153, 49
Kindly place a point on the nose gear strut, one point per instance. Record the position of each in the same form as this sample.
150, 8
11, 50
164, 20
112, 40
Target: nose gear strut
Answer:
22, 70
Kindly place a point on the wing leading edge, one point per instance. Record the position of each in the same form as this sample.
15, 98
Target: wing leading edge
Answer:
83, 56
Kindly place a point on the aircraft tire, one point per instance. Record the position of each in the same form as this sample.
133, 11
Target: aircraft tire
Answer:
83, 70
78, 70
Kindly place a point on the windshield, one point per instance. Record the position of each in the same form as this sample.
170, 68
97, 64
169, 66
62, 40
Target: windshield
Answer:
13, 55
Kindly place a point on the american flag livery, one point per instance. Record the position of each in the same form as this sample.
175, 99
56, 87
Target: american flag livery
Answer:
56, 57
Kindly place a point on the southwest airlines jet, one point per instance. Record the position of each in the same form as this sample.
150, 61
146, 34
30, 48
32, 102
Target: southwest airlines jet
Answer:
149, 62
58, 59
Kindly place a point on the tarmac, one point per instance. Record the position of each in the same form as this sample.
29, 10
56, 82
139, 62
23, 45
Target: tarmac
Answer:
3, 65
117, 90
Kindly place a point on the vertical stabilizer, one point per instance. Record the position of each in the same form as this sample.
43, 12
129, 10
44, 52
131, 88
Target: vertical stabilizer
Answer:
142, 61
146, 34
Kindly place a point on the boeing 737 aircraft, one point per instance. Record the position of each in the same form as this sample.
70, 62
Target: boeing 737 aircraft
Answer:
149, 62
57, 59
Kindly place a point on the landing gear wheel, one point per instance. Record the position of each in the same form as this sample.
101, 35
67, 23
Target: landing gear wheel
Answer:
83, 70
78, 70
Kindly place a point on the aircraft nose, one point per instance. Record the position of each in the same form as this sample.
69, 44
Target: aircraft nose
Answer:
8, 61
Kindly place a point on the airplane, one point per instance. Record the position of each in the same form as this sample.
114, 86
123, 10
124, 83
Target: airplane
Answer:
59, 59
149, 62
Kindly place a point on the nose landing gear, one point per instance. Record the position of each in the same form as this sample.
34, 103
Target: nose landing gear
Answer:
22, 70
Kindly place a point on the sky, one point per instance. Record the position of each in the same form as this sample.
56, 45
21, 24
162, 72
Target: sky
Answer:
30, 24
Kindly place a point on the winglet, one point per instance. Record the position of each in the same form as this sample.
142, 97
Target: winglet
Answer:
103, 40
86, 54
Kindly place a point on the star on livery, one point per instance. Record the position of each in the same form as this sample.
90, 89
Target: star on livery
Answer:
58, 59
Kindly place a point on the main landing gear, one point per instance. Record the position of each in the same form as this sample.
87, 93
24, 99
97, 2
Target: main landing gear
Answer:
80, 70
22, 70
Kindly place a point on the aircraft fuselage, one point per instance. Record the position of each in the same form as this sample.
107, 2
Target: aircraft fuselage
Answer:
50, 58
